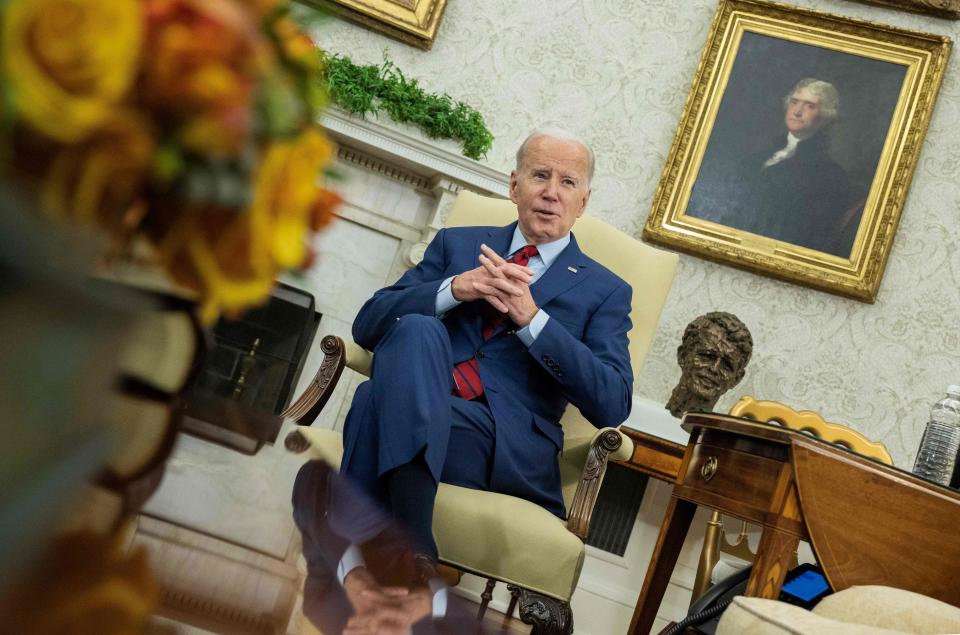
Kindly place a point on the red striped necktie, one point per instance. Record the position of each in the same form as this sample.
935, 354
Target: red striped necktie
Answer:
466, 374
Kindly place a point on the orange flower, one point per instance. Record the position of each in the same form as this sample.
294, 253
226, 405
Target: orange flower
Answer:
203, 68
69, 62
98, 180
297, 45
321, 213
86, 583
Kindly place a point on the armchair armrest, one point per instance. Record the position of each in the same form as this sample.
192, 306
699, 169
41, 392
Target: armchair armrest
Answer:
336, 355
606, 444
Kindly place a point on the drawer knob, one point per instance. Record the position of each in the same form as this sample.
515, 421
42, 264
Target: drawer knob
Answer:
709, 468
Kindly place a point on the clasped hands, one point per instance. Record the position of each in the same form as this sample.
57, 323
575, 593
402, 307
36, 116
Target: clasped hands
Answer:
504, 285
383, 610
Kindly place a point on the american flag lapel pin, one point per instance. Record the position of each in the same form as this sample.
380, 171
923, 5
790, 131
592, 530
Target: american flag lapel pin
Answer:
572, 269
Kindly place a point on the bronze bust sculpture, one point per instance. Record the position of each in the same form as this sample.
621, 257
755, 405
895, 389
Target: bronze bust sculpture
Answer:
713, 357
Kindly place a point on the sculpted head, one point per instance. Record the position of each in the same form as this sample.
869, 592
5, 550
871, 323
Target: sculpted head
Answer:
713, 358
551, 183
811, 105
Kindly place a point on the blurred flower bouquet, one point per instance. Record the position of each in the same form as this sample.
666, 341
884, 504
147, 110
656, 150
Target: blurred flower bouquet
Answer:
188, 126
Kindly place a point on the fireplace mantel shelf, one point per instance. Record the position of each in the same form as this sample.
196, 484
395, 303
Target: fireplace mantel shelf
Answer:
412, 151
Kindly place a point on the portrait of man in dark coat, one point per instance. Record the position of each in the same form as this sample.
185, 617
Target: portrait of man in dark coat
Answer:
792, 190
794, 147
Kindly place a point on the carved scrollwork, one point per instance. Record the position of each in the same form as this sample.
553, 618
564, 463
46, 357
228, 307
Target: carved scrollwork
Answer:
595, 468
547, 615
308, 406
296, 443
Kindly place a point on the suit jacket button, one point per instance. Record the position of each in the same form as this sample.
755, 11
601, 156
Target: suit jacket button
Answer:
480, 355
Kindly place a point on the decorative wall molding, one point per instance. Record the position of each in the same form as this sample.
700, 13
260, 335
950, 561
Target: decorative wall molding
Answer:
411, 151
363, 160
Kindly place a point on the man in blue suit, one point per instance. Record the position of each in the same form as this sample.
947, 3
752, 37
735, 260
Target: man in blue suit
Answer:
480, 347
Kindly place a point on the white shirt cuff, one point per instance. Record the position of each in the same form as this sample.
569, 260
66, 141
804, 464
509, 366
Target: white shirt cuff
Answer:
439, 590
528, 334
350, 560
445, 299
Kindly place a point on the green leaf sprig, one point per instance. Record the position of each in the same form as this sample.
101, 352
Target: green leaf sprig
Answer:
362, 89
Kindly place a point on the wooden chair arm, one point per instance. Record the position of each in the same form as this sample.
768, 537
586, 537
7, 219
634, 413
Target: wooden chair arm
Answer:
307, 407
604, 443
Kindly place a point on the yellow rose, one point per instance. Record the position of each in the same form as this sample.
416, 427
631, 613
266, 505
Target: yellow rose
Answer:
285, 189
217, 254
70, 61
99, 179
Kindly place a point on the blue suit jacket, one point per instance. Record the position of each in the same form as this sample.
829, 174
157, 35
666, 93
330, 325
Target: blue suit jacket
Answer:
579, 357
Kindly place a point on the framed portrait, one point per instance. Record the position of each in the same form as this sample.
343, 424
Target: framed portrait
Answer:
797, 144
411, 21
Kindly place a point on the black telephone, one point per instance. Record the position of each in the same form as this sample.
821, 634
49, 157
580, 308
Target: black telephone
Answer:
804, 586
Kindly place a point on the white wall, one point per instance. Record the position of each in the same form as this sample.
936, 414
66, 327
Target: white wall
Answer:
618, 71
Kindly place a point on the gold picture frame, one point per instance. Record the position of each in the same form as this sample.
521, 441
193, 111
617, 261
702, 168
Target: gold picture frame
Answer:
813, 220
947, 9
411, 21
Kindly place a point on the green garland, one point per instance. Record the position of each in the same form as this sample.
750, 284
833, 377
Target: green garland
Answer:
368, 89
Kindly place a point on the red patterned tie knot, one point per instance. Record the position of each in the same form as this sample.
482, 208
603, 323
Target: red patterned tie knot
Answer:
523, 256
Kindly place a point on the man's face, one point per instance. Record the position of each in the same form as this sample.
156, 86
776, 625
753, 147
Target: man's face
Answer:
550, 188
803, 116
713, 365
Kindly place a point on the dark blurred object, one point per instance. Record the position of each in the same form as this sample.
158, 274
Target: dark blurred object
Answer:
331, 514
250, 372
89, 375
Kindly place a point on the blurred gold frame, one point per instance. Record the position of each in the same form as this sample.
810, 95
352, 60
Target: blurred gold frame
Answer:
411, 21
948, 9
924, 58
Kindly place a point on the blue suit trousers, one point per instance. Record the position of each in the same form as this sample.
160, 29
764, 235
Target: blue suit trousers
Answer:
407, 408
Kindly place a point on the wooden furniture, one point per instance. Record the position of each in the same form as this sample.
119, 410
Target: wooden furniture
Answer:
715, 540
808, 421
653, 455
500, 537
868, 523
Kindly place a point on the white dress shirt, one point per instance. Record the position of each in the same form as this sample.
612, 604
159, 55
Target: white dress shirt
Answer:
547, 253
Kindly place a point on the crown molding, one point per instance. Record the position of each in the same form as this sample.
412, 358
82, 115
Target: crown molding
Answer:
412, 152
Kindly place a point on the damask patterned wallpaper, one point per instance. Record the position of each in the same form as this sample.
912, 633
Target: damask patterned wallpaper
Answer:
617, 72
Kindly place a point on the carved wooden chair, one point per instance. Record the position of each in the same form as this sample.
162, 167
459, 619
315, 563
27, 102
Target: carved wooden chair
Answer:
500, 537
715, 540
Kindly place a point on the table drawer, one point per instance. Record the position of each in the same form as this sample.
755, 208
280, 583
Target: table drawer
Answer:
747, 480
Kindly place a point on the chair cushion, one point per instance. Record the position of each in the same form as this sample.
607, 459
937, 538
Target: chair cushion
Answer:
479, 532
755, 616
471, 527
890, 608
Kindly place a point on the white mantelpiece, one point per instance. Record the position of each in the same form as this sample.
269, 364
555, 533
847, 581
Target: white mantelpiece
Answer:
402, 146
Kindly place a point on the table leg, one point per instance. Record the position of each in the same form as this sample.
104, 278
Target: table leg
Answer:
673, 531
774, 556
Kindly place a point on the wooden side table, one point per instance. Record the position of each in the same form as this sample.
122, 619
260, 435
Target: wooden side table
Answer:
868, 523
742, 469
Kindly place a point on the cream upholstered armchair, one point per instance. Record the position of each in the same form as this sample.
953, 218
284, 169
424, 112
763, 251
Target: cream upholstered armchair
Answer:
501, 537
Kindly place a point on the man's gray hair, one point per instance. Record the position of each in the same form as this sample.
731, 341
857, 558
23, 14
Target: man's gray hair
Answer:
829, 98
556, 133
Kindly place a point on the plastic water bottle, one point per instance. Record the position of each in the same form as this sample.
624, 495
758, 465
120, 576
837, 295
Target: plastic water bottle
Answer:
941, 440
